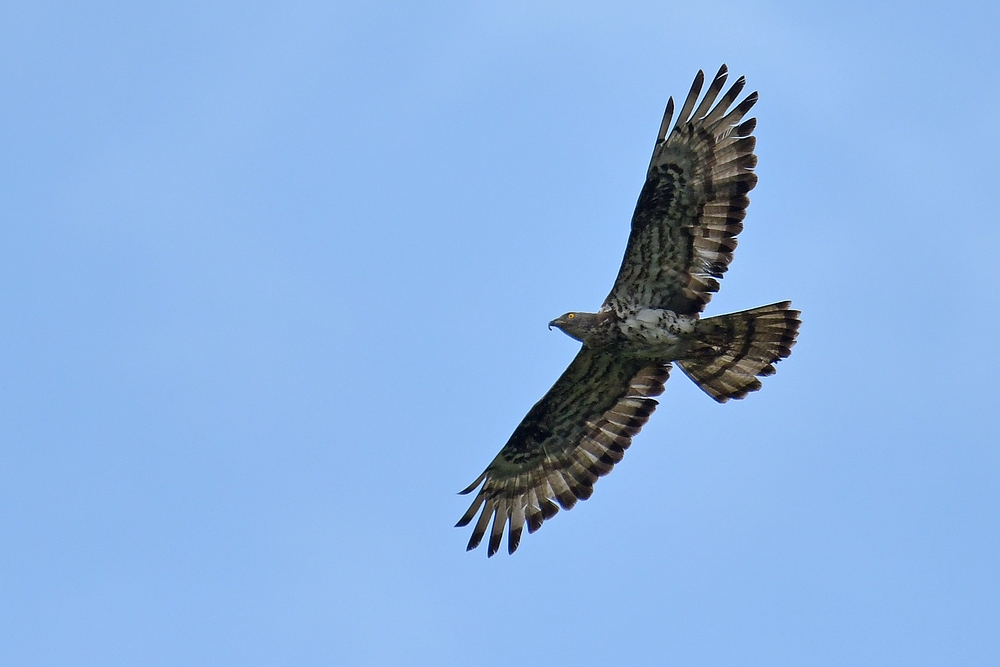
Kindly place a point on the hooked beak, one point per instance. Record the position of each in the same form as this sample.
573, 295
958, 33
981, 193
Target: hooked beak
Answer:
555, 323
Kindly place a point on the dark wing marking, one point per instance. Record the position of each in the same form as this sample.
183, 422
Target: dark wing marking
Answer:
575, 434
692, 205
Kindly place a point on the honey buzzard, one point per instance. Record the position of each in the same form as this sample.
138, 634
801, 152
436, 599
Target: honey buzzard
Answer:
684, 230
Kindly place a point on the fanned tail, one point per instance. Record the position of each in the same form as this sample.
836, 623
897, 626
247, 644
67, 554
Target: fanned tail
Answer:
734, 349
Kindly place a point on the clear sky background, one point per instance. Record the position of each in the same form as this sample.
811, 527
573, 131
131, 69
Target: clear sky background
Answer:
274, 281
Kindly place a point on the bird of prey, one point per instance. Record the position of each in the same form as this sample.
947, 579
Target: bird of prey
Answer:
683, 234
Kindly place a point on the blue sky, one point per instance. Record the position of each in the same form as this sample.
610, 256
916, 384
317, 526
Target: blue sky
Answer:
274, 281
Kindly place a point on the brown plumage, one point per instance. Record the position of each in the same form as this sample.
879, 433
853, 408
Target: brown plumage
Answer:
683, 234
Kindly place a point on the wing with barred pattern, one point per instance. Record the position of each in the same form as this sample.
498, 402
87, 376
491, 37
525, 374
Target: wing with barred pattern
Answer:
692, 205
575, 434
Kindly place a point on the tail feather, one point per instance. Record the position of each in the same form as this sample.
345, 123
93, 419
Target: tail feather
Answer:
734, 350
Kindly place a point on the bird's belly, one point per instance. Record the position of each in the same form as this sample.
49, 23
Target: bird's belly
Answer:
661, 334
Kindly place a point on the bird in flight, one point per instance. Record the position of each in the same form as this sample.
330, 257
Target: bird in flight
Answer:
684, 230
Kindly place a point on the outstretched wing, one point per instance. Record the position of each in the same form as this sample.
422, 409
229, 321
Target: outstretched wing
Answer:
692, 205
575, 434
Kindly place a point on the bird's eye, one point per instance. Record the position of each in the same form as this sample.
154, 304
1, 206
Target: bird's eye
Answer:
571, 316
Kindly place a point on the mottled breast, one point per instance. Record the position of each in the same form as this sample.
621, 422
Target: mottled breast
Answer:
662, 334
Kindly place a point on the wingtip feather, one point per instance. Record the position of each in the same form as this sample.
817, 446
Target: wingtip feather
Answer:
668, 115
469, 489
692, 97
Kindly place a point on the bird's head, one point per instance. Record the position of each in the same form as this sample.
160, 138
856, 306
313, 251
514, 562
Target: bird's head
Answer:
575, 325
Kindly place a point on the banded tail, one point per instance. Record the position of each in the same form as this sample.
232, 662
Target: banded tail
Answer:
734, 349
